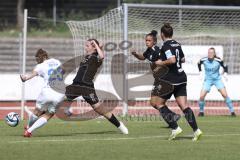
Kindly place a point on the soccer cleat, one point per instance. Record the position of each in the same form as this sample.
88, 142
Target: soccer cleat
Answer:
123, 128
27, 134
233, 114
201, 114
197, 134
175, 133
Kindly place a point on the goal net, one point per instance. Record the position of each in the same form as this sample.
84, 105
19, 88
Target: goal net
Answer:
196, 27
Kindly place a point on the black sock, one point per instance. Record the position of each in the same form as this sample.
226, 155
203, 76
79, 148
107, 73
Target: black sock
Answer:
173, 113
114, 121
189, 115
168, 117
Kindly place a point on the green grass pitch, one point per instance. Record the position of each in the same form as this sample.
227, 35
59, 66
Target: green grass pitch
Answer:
98, 139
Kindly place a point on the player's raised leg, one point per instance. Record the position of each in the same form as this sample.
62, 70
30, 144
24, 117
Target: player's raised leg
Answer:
110, 117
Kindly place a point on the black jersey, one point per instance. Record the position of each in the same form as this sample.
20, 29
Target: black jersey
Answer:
152, 55
87, 70
176, 74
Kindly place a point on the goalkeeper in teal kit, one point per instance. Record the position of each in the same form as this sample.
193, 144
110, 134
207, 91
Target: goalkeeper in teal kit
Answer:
212, 65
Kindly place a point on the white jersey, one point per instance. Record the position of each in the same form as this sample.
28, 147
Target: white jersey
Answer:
49, 71
50, 98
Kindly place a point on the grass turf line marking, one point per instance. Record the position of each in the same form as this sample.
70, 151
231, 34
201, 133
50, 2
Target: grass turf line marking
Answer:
114, 139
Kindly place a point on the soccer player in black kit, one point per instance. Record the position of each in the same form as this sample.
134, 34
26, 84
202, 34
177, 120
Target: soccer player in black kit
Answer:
152, 54
83, 82
172, 57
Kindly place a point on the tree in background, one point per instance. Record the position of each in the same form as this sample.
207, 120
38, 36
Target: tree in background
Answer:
20, 7
111, 4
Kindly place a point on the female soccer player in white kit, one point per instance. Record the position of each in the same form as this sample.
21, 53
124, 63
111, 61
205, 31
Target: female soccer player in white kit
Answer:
49, 99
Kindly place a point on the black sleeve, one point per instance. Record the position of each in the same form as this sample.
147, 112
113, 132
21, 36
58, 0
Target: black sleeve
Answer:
94, 61
145, 54
181, 54
225, 67
199, 65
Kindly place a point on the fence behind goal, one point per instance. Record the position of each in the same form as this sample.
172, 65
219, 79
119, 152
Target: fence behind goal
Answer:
196, 27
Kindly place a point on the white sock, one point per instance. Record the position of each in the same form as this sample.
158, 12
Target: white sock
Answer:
39, 123
32, 118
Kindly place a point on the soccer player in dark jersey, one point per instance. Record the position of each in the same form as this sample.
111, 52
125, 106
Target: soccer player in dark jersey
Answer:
172, 56
152, 54
83, 82
212, 65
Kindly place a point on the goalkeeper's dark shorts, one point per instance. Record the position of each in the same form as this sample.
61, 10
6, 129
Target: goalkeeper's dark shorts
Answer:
87, 92
165, 90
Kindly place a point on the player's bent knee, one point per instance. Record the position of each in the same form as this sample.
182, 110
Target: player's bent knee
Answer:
202, 97
154, 102
223, 93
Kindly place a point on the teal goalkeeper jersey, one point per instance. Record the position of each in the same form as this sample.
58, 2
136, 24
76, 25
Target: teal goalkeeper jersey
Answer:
212, 67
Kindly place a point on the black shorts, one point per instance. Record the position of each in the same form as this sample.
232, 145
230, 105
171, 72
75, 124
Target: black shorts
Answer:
87, 92
167, 90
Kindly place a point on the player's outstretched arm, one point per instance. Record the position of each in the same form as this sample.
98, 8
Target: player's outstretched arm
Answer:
137, 55
99, 49
25, 77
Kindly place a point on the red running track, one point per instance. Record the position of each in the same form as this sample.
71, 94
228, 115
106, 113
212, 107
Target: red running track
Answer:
136, 108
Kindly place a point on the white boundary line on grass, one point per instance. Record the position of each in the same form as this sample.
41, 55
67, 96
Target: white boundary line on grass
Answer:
113, 139
182, 120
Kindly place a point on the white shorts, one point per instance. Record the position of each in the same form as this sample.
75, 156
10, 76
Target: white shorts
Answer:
49, 100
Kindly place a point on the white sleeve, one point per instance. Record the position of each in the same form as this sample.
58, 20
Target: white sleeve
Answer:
38, 69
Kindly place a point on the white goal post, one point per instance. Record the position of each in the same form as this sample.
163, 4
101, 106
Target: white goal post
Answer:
24, 51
